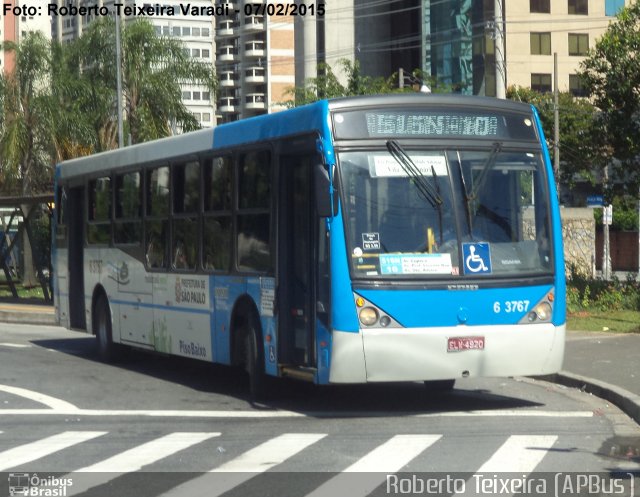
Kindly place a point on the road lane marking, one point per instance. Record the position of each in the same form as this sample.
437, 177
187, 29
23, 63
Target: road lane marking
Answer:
41, 448
244, 467
52, 402
15, 345
134, 459
386, 459
291, 414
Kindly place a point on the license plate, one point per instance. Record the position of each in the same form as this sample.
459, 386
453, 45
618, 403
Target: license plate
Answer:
458, 344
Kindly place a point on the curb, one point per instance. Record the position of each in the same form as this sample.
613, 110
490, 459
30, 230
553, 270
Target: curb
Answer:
22, 317
627, 401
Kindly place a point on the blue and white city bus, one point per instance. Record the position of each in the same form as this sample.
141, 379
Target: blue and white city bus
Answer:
371, 239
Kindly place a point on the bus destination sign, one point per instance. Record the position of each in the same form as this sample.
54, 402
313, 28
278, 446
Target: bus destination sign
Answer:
440, 122
404, 124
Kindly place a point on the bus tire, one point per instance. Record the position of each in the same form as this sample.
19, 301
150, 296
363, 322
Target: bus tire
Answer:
254, 364
439, 386
107, 350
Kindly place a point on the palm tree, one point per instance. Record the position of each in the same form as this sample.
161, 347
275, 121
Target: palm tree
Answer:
26, 128
153, 68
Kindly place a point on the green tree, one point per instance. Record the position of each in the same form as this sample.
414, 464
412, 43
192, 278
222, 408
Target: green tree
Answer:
26, 122
327, 84
611, 74
26, 125
580, 145
153, 69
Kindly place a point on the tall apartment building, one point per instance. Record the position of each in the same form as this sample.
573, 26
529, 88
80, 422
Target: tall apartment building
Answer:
537, 29
195, 31
254, 59
14, 27
454, 41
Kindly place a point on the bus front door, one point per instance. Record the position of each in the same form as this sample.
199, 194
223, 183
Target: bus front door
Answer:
297, 269
75, 263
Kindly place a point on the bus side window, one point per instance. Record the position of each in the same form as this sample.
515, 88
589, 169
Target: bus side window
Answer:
186, 204
157, 218
254, 212
216, 239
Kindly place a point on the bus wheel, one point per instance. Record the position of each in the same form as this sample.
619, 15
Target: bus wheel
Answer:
254, 364
439, 386
102, 327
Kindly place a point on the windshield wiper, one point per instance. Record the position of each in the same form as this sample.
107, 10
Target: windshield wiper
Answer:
470, 199
426, 191
482, 178
467, 196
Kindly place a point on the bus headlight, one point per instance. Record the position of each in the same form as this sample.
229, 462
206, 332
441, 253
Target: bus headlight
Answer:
543, 311
368, 316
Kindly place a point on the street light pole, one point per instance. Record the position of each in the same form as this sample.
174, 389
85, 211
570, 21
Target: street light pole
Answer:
119, 79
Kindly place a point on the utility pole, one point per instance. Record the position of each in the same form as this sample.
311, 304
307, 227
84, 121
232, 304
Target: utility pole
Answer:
607, 215
498, 36
119, 79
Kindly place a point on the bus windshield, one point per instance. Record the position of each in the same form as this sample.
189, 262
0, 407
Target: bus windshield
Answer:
446, 214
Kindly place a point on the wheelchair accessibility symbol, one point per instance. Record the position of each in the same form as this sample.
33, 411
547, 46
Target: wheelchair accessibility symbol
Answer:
477, 258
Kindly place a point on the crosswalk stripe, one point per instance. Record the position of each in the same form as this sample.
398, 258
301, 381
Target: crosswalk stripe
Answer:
519, 454
388, 458
244, 467
43, 447
134, 459
147, 453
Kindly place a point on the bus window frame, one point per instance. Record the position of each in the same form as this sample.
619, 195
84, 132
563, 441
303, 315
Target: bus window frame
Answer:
147, 218
208, 214
140, 218
271, 210
87, 209
191, 215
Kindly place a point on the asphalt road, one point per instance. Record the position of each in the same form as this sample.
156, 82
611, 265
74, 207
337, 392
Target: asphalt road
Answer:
154, 425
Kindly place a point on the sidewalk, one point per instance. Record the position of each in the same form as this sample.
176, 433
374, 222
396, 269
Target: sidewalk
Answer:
604, 364
27, 313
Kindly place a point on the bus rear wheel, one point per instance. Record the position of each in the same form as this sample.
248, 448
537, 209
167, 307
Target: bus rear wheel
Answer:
254, 364
102, 325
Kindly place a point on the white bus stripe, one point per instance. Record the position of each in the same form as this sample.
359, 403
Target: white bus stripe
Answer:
133, 459
244, 467
519, 454
388, 458
43, 447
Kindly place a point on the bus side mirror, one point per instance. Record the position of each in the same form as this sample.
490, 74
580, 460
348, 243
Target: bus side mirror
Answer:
325, 193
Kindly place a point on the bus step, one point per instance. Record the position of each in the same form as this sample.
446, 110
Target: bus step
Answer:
298, 372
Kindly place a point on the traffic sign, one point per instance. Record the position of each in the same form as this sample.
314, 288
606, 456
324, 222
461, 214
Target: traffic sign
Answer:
595, 200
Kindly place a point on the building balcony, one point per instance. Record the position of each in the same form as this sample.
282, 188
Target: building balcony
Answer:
254, 75
228, 80
230, 3
228, 104
253, 23
226, 28
255, 101
254, 49
227, 53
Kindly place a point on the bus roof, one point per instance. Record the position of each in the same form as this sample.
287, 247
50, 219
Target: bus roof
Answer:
307, 118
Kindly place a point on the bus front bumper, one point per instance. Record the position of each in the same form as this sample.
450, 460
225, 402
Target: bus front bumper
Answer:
416, 354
